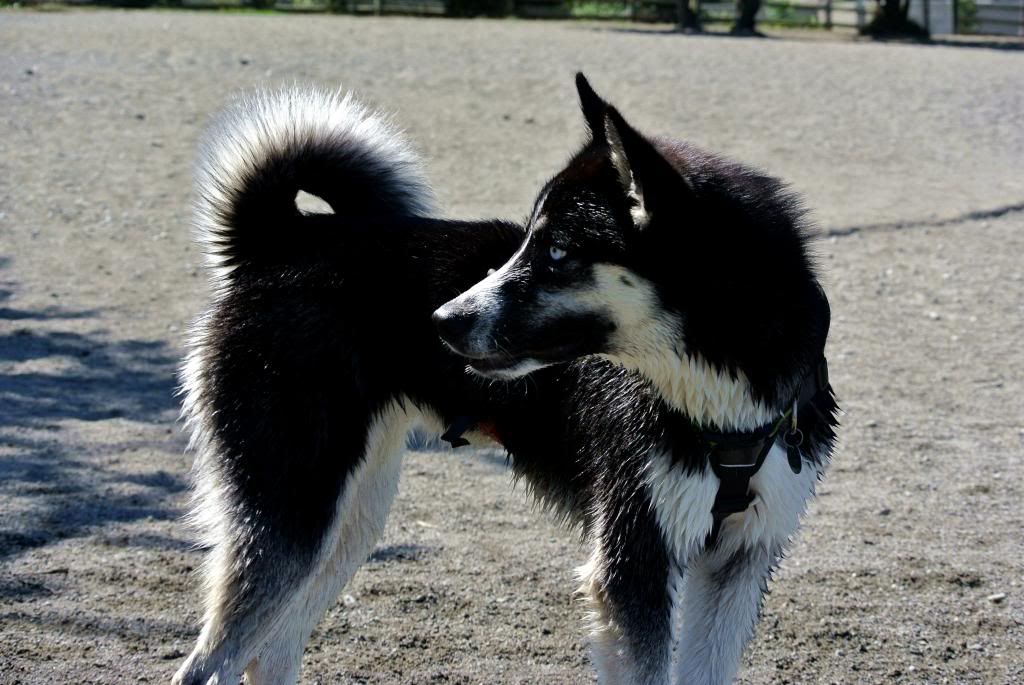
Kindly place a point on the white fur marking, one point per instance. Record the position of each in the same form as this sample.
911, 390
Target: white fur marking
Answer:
309, 204
625, 172
607, 651
266, 124
719, 609
682, 504
648, 339
781, 500
358, 523
269, 642
719, 613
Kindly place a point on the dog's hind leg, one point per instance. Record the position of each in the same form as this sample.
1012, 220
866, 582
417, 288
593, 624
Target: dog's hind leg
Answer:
250, 583
360, 524
266, 594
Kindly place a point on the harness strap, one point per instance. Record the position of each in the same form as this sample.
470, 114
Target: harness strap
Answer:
736, 457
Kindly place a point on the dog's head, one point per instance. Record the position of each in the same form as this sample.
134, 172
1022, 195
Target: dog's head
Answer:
647, 251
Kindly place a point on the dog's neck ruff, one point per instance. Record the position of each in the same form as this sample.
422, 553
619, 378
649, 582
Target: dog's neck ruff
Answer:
711, 397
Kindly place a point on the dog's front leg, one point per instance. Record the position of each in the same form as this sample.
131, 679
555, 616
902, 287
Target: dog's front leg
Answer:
721, 604
724, 585
626, 585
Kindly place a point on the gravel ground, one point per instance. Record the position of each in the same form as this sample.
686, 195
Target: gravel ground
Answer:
910, 566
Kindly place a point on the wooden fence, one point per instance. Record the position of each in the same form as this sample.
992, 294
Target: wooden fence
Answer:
998, 17
808, 13
1004, 17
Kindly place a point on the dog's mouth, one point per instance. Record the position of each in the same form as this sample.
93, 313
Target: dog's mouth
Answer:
494, 365
506, 365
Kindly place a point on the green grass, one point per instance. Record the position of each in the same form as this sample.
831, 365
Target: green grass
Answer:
595, 9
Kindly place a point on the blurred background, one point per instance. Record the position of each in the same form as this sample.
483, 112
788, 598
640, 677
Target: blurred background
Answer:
908, 150
873, 17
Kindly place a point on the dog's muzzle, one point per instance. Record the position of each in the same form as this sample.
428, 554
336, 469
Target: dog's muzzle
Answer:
454, 326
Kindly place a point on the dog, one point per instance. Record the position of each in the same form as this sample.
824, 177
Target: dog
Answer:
694, 273
317, 356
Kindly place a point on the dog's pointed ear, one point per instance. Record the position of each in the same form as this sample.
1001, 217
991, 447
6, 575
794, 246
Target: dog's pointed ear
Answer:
648, 179
594, 108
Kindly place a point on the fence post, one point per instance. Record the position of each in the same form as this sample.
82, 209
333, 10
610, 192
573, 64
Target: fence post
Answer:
927, 16
956, 16
828, 14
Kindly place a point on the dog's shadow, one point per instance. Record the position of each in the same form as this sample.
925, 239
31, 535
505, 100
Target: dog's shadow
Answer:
60, 472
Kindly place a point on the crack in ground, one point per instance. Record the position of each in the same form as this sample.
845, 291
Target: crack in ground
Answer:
890, 226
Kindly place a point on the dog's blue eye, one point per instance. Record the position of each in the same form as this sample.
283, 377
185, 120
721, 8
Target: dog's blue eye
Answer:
556, 253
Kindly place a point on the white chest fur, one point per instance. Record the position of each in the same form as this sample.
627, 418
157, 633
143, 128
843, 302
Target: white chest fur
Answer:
683, 500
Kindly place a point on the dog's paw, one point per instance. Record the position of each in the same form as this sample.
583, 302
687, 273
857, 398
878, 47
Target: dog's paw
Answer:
192, 672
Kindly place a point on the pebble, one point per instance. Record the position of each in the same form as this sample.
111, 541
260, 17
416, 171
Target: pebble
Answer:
997, 597
348, 600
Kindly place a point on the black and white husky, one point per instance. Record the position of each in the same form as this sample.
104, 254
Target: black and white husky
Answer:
318, 354
694, 273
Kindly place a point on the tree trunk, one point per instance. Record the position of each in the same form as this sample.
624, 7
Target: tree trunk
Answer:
895, 11
746, 17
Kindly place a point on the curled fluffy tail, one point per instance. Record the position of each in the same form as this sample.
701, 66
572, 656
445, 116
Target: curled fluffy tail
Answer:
268, 146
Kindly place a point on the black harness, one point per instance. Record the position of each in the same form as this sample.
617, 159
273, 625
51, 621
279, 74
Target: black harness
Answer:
736, 457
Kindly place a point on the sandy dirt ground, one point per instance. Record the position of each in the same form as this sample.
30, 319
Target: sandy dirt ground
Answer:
912, 159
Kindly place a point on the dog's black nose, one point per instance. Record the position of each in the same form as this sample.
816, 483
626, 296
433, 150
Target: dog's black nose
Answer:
453, 325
